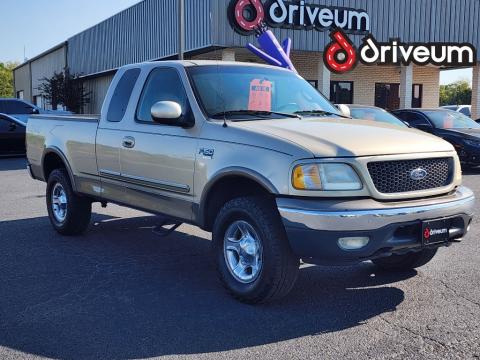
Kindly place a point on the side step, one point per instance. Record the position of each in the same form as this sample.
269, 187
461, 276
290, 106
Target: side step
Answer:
166, 227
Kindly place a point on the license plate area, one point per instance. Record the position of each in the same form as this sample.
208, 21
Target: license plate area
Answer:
436, 231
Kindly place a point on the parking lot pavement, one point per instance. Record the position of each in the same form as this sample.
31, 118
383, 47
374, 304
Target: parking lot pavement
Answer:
122, 292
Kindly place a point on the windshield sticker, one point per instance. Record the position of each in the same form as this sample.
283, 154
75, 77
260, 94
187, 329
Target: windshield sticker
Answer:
260, 97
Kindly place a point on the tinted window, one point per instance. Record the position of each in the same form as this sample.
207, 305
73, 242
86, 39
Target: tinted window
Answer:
466, 111
15, 107
4, 124
341, 92
121, 95
415, 119
447, 119
162, 85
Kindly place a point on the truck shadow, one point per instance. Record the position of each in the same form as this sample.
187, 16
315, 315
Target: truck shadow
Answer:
13, 163
122, 292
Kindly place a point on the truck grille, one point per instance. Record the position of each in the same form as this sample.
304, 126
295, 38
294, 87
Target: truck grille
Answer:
396, 176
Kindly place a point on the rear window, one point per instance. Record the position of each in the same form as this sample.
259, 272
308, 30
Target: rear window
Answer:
121, 95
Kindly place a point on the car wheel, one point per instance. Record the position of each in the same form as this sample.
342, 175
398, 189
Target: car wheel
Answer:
69, 213
254, 260
406, 262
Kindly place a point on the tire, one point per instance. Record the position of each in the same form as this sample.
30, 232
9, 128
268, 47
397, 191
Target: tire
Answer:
77, 209
406, 262
278, 269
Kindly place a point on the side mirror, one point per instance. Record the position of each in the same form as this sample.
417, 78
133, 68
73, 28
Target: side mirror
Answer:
166, 112
406, 123
344, 110
35, 111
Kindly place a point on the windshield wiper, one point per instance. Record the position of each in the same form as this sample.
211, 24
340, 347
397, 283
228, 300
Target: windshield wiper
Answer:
320, 112
254, 113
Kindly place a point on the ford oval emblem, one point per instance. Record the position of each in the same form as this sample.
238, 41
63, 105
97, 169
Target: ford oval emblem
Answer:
418, 174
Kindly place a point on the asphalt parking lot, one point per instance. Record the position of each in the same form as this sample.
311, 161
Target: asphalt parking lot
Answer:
122, 292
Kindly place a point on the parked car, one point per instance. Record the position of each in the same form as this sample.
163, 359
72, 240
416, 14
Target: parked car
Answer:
263, 161
12, 136
463, 109
22, 110
373, 113
459, 130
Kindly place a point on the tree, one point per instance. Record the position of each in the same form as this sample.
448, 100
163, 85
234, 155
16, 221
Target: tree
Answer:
457, 93
65, 89
6, 79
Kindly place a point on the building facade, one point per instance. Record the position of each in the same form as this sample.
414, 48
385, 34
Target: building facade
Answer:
149, 31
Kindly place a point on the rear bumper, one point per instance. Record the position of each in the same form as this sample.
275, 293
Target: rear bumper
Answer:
314, 226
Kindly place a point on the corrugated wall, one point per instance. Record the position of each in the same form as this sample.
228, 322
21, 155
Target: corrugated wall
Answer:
46, 66
146, 31
411, 20
22, 81
98, 88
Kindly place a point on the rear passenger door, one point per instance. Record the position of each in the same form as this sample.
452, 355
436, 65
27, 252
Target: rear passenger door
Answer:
110, 136
157, 161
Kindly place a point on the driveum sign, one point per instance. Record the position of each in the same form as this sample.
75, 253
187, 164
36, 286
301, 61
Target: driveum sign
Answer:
246, 15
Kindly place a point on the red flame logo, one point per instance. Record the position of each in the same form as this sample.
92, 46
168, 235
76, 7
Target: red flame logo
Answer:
340, 55
426, 234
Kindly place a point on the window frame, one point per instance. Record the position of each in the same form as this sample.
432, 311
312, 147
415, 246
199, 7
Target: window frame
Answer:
188, 107
352, 91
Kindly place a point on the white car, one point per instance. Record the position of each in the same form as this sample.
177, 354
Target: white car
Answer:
464, 109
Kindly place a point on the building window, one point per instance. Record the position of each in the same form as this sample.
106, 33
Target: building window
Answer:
341, 92
417, 95
387, 96
20, 94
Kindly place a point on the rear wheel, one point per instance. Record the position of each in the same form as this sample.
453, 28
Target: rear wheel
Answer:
69, 213
254, 260
406, 262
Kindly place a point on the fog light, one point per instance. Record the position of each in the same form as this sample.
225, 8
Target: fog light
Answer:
353, 243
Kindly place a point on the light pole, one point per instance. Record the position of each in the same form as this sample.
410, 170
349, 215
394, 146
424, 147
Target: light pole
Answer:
181, 29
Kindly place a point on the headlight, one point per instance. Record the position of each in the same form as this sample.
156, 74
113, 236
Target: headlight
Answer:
325, 177
472, 142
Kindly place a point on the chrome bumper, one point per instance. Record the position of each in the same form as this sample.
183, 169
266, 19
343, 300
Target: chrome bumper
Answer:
368, 214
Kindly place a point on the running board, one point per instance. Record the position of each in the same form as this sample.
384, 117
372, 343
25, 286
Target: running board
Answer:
166, 227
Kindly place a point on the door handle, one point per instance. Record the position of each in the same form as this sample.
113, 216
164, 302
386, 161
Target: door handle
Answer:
128, 142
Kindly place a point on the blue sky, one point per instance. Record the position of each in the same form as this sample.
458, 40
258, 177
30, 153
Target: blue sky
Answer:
37, 25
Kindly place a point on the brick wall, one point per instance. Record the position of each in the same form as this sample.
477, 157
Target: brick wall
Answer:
364, 77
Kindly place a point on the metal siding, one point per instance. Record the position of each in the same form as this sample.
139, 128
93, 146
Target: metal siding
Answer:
146, 31
98, 88
22, 81
46, 66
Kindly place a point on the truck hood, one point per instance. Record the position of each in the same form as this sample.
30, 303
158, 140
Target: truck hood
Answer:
333, 137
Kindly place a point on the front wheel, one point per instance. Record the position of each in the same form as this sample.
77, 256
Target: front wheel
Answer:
254, 260
69, 213
406, 262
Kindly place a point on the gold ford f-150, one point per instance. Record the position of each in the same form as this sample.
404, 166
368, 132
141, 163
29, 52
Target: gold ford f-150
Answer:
258, 157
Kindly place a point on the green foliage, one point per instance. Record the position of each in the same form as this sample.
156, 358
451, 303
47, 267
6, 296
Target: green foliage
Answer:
65, 89
457, 93
6, 79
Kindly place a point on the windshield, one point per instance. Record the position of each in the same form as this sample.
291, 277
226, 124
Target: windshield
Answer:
376, 114
234, 91
451, 120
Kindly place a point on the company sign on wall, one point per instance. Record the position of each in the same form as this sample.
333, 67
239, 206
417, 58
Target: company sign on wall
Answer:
246, 15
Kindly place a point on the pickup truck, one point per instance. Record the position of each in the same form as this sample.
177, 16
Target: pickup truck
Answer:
257, 156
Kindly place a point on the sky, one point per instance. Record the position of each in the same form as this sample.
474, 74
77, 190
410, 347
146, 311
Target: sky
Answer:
33, 26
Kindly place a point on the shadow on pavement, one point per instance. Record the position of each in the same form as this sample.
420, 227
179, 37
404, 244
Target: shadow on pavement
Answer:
121, 292
13, 163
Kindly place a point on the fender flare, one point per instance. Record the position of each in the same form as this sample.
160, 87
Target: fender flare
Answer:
228, 172
55, 150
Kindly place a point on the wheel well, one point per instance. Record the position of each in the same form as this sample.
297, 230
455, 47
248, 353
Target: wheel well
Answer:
226, 189
52, 162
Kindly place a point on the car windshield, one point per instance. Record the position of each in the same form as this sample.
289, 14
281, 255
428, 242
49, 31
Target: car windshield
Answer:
375, 114
451, 120
250, 92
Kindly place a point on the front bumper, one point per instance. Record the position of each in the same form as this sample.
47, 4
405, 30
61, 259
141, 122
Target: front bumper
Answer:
314, 226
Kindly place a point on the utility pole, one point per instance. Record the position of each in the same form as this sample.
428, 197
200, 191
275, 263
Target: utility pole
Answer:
181, 29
